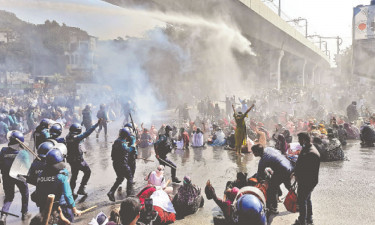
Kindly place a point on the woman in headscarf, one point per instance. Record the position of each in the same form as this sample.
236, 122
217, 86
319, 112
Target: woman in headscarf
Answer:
188, 198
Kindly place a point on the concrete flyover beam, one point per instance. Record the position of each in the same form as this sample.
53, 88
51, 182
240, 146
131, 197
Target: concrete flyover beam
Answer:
283, 34
251, 17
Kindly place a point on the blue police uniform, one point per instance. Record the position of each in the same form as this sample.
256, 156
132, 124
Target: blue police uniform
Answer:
75, 157
35, 170
40, 135
52, 181
7, 156
162, 147
123, 157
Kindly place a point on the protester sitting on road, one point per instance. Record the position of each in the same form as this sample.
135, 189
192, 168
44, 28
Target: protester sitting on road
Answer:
145, 139
156, 178
187, 199
367, 135
198, 138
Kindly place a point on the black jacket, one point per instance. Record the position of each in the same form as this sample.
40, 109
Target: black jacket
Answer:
307, 167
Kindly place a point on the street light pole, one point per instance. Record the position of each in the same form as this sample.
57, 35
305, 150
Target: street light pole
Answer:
300, 19
279, 8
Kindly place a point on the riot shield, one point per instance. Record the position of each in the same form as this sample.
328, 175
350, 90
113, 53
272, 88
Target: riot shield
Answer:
21, 165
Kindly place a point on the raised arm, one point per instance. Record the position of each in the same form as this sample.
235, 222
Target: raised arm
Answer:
248, 110
234, 110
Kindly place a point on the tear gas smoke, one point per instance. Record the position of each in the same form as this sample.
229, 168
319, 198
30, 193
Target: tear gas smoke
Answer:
187, 58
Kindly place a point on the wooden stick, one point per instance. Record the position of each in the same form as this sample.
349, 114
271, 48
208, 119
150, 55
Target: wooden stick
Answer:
48, 209
8, 213
86, 210
168, 182
28, 149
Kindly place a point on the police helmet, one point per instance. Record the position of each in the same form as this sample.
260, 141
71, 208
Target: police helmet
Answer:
168, 128
54, 156
44, 148
62, 148
13, 135
75, 128
124, 132
11, 111
128, 125
44, 123
249, 208
56, 130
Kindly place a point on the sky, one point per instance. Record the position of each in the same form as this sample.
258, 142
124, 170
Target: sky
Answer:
325, 17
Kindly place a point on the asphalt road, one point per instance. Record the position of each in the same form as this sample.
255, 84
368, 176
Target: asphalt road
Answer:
344, 195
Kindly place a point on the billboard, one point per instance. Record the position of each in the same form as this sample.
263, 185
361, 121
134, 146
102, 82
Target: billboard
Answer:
364, 41
364, 22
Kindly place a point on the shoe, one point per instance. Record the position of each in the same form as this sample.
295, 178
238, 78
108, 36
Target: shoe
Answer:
25, 216
81, 191
299, 223
310, 222
111, 196
3, 219
176, 180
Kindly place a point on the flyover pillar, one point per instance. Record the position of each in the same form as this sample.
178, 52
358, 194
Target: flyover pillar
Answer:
304, 73
281, 55
313, 74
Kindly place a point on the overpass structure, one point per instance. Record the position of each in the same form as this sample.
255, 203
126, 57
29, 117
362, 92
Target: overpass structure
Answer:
274, 40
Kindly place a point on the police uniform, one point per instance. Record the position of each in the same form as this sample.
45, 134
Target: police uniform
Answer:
53, 181
162, 147
86, 118
41, 134
35, 170
75, 157
123, 156
7, 156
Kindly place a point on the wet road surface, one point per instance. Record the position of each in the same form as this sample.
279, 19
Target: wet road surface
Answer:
344, 195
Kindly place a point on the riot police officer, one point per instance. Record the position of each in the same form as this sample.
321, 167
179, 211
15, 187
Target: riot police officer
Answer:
41, 133
54, 180
38, 165
75, 155
164, 146
86, 117
103, 115
124, 154
55, 132
7, 156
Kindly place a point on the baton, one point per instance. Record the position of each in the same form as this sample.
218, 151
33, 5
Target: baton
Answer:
11, 214
167, 163
89, 209
28, 149
149, 160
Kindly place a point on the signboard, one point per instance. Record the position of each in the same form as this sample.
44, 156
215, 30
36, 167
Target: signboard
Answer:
364, 22
364, 41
